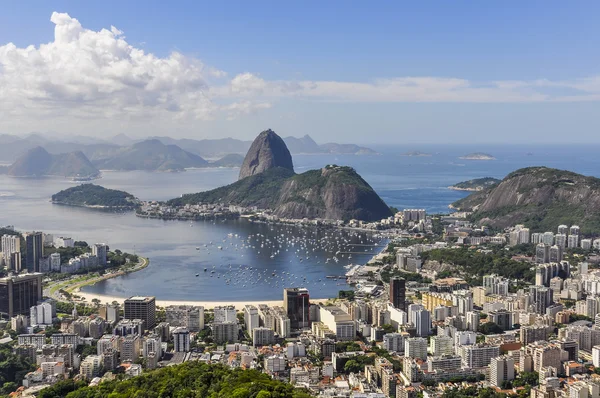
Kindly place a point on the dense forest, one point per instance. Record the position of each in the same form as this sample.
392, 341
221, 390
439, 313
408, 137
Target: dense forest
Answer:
191, 379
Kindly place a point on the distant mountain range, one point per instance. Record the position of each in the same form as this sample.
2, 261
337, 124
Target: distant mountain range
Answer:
151, 155
11, 147
37, 155
37, 162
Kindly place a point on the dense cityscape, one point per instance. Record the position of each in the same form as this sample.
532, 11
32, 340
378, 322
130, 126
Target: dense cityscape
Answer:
412, 322
299, 199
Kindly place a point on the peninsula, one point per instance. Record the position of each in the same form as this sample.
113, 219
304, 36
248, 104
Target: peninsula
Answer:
477, 184
95, 196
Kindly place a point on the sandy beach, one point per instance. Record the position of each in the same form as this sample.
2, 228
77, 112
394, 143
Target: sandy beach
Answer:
239, 305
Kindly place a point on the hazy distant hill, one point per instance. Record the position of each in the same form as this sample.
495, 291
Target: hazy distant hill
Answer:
12, 146
303, 145
151, 155
231, 160
38, 162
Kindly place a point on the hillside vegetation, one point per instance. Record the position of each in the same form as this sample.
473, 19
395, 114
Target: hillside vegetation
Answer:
333, 192
191, 379
539, 197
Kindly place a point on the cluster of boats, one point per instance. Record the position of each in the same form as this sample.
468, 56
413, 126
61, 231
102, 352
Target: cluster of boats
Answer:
270, 250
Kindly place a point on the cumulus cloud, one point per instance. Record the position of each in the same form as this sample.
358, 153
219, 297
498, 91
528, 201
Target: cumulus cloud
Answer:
89, 76
84, 73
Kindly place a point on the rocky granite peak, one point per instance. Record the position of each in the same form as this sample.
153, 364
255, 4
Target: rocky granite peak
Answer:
266, 152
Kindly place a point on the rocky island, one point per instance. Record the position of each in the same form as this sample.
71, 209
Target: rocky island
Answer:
95, 196
538, 197
267, 181
478, 156
477, 184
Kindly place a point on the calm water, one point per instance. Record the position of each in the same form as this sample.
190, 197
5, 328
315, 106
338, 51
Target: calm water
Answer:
403, 182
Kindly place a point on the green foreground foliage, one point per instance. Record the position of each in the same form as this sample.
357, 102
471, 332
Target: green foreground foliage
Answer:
191, 379
12, 370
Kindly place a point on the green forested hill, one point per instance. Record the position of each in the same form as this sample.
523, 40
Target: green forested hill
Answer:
191, 379
90, 195
333, 192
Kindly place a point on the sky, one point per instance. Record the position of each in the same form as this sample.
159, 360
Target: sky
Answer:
361, 72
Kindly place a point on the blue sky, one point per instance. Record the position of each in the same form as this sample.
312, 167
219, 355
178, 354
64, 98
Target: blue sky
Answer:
403, 72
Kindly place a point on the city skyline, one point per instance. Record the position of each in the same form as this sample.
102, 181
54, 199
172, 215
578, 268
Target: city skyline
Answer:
410, 73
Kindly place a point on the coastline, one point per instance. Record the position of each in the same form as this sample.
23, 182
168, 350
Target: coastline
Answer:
239, 305
465, 189
97, 207
52, 290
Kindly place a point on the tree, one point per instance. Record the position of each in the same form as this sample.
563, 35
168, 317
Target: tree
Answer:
352, 366
490, 328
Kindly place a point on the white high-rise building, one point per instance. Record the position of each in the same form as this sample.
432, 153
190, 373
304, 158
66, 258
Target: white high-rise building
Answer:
441, 345
501, 369
225, 332
478, 355
393, 342
100, 250
251, 318
422, 322
225, 314
55, 262
262, 336
561, 240
586, 244
472, 319
43, 313
416, 347
573, 241
548, 238
64, 242
10, 244
563, 229
90, 367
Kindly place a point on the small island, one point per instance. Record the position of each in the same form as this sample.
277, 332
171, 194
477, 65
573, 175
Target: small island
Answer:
478, 156
415, 153
477, 184
95, 196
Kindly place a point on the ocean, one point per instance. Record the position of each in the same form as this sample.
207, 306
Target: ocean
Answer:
268, 257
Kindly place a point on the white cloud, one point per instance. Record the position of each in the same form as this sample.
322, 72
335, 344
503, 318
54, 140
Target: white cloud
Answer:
97, 76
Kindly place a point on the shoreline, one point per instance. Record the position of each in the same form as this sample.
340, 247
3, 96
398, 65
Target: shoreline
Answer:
207, 304
95, 207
